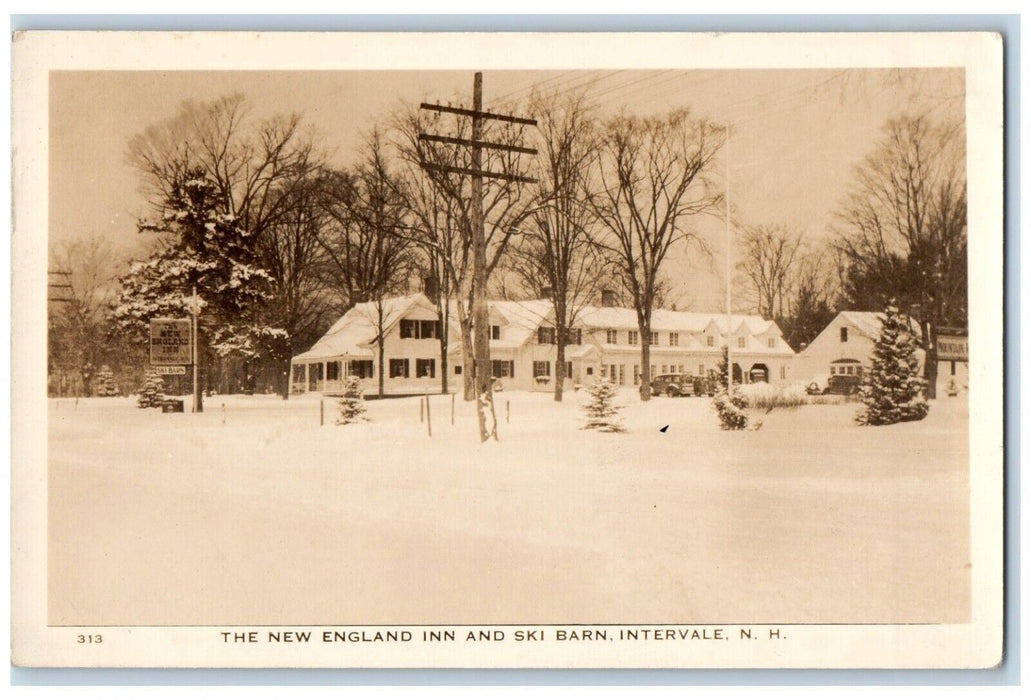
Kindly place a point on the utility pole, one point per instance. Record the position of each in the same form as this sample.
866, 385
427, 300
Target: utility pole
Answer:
730, 363
198, 399
486, 417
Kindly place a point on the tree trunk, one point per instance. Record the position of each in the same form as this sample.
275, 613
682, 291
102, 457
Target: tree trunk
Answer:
560, 361
930, 342
468, 364
442, 317
644, 327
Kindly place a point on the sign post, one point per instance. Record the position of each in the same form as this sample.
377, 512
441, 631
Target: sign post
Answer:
172, 345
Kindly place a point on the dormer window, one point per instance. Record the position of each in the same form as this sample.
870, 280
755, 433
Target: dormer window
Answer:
412, 328
844, 334
611, 336
495, 332
741, 341
545, 335
710, 341
771, 342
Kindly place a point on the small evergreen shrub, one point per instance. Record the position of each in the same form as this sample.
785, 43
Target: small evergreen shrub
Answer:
601, 409
892, 391
352, 403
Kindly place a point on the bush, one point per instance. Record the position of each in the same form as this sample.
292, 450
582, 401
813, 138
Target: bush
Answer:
151, 394
731, 409
766, 397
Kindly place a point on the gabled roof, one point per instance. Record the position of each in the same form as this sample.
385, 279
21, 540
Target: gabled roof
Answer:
353, 332
869, 322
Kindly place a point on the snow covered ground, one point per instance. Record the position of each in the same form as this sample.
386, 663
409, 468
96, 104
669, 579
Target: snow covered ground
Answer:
259, 515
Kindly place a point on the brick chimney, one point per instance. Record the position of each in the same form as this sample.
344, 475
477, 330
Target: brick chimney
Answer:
429, 286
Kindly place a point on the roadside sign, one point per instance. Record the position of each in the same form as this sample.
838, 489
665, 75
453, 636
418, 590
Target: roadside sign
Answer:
170, 342
171, 369
953, 347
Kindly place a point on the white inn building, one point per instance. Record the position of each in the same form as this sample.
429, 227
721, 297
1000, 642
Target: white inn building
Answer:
604, 341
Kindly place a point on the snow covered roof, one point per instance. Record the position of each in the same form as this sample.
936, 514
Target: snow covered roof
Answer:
869, 322
523, 318
665, 320
352, 334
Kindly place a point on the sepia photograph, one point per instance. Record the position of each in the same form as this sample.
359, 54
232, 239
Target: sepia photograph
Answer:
612, 361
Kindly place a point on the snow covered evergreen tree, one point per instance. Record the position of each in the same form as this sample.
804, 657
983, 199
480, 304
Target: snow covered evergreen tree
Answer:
203, 247
152, 392
730, 406
601, 409
892, 391
352, 403
105, 382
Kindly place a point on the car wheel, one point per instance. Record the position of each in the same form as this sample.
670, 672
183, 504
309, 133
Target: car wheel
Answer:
672, 393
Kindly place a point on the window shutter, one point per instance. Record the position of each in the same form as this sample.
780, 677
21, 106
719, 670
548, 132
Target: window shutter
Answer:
511, 368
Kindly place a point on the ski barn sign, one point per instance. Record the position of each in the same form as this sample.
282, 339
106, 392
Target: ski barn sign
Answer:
170, 341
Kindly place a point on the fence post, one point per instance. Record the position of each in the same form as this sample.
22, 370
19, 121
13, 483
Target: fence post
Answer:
429, 424
420, 410
452, 409
322, 412
223, 413
508, 410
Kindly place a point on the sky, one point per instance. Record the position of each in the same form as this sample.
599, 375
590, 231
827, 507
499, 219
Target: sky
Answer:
796, 134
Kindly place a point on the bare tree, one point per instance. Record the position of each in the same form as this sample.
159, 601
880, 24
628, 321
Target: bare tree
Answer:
368, 255
903, 229
557, 257
292, 254
651, 182
80, 335
768, 261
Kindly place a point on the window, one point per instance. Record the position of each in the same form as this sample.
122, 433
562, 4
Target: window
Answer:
850, 369
426, 368
398, 368
665, 369
701, 370
545, 335
541, 368
612, 373
741, 341
569, 368
361, 368
622, 374
429, 329
680, 369
411, 328
771, 342
653, 338
783, 371
298, 373
590, 371
652, 373
844, 334
458, 370
502, 368
574, 336
674, 339
710, 341
332, 371
611, 337
631, 337
495, 332
637, 374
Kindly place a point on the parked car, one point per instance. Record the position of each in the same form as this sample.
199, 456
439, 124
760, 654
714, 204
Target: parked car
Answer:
845, 384
818, 385
673, 385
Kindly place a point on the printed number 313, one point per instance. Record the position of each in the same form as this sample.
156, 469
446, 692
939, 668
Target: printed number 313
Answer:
89, 639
